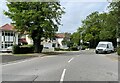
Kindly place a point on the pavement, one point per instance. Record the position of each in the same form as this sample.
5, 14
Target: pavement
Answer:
9, 57
71, 66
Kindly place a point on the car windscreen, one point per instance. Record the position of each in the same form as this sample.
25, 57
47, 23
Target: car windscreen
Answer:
102, 45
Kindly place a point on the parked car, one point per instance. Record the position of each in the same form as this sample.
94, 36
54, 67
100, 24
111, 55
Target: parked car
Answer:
104, 47
9, 49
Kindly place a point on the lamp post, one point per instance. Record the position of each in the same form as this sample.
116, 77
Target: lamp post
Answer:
81, 40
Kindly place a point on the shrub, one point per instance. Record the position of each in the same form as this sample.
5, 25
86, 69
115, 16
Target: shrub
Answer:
74, 49
26, 49
57, 49
15, 49
84, 47
118, 51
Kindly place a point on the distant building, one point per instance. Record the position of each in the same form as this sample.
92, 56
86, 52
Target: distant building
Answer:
59, 37
25, 39
8, 36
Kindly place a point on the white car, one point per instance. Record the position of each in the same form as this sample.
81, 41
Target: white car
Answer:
104, 47
9, 49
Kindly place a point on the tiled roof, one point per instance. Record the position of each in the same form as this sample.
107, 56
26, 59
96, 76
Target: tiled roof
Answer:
60, 35
7, 27
22, 40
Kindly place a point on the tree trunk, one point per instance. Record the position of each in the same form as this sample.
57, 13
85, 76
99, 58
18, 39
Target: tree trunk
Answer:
36, 43
36, 36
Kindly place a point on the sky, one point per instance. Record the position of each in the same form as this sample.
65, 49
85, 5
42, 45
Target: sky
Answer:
76, 11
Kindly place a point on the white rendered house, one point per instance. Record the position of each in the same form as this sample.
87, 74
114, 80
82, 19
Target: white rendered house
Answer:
8, 36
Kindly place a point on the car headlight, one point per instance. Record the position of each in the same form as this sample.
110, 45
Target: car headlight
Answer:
104, 49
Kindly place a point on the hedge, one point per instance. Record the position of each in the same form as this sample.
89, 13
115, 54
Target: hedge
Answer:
15, 49
73, 48
118, 51
22, 49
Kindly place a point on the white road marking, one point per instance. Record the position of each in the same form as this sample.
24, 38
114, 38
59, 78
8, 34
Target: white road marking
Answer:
70, 60
62, 76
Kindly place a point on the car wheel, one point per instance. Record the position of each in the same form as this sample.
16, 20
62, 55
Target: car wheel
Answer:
96, 52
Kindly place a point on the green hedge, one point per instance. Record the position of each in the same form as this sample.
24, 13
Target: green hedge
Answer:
26, 49
118, 51
59, 49
22, 49
15, 49
73, 48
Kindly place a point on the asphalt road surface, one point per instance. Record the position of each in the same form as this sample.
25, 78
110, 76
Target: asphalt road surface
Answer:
71, 66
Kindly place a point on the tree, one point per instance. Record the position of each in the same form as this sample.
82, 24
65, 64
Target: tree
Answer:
98, 26
38, 19
91, 27
75, 38
115, 10
108, 30
66, 39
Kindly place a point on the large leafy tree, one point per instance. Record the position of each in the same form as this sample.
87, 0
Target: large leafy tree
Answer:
108, 30
98, 26
38, 19
115, 10
75, 38
92, 28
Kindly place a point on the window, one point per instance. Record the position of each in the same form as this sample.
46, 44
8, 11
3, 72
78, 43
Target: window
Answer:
11, 34
53, 45
2, 38
6, 38
6, 34
6, 45
107, 46
2, 45
11, 38
2, 33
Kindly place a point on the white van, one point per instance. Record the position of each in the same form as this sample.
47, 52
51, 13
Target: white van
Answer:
104, 47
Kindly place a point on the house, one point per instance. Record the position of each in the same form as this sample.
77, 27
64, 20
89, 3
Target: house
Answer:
25, 39
59, 37
8, 36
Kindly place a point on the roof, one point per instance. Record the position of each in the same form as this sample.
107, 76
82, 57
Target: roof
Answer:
22, 40
7, 27
104, 42
60, 35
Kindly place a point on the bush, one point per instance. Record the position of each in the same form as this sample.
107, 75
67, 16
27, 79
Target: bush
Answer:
84, 47
26, 49
74, 49
15, 49
57, 49
118, 51
22, 49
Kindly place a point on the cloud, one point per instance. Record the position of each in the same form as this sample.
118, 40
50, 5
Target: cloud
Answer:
85, 0
4, 19
76, 12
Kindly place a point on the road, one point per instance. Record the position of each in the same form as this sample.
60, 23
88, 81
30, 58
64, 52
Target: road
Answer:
71, 66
